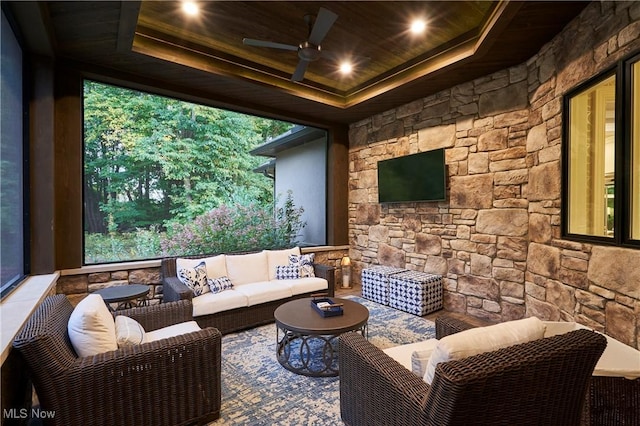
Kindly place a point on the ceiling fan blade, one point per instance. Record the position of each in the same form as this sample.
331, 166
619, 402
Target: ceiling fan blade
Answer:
263, 43
324, 22
298, 75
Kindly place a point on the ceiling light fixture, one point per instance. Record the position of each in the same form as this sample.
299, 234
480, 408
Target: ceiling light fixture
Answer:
418, 26
346, 68
190, 8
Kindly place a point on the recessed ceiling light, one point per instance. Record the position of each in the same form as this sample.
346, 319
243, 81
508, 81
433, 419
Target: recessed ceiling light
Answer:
346, 68
190, 8
418, 26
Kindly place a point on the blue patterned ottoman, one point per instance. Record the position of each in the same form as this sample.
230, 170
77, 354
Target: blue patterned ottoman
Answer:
415, 292
375, 282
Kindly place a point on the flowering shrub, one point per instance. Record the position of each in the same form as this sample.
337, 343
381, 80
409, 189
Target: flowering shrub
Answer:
237, 228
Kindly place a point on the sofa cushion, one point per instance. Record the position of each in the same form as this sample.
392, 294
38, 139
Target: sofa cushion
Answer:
483, 339
287, 272
279, 258
211, 303
413, 356
129, 332
308, 285
304, 262
216, 265
195, 278
247, 268
266, 291
172, 331
91, 327
216, 285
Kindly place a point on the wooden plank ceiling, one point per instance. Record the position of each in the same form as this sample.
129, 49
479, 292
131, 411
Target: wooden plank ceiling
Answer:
154, 42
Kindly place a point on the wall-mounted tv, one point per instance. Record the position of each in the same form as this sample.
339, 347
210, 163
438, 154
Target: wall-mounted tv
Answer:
416, 177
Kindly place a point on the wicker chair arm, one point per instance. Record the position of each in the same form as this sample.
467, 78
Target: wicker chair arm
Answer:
447, 325
553, 373
173, 290
328, 273
155, 317
165, 380
375, 389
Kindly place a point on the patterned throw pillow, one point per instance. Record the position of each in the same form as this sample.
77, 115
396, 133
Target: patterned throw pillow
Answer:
287, 272
220, 284
304, 262
195, 278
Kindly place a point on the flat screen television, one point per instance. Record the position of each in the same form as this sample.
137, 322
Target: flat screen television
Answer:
416, 177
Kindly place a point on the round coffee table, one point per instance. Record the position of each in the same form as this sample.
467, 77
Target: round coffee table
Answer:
307, 342
124, 295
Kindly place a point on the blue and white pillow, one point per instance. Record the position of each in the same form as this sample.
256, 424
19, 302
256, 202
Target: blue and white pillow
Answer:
217, 285
195, 278
304, 262
287, 272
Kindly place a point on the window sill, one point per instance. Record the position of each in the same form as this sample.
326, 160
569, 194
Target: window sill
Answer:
18, 306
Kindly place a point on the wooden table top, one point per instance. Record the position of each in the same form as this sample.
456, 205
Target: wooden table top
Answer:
299, 316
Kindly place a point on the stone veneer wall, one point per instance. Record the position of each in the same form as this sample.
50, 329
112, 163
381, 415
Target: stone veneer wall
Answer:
76, 287
497, 237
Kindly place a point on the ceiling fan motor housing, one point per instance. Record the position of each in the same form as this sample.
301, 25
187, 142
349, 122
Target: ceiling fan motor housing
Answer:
309, 52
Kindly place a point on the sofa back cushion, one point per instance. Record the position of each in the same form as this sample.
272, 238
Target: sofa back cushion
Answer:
91, 327
247, 268
277, 258
483, 339
216, 265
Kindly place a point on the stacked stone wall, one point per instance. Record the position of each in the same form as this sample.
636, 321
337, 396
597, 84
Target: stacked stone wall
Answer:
497, 238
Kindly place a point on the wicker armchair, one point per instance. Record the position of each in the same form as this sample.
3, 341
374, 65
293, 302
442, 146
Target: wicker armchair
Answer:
172, 381
537, 383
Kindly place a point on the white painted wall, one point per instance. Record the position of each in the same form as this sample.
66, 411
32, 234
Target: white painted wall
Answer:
303, 170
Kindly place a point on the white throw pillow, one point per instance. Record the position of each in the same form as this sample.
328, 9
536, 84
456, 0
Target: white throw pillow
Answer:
420, 361
129, 332
483, 339
91, 327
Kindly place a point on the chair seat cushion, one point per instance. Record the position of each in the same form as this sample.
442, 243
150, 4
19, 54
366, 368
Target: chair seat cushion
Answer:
172, 330
483, 339
91, 327
413, 356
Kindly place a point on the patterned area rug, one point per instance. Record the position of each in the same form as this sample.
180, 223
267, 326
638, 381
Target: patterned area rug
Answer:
257, 390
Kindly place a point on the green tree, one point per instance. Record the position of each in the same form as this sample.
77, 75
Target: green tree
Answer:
152, 160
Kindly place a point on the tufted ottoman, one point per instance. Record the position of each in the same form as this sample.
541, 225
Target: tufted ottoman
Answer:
375, 282
415, 292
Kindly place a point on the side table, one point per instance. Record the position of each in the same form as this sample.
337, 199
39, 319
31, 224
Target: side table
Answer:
125, 296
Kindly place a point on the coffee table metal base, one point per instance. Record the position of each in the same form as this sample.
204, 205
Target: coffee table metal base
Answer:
313, 355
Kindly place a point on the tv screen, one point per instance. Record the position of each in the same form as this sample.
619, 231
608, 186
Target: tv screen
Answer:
417, 177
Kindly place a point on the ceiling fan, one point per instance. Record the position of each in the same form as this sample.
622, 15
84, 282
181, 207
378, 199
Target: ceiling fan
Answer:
309, 50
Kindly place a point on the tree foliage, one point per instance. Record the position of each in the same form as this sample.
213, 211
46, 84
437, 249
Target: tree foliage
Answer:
153, 161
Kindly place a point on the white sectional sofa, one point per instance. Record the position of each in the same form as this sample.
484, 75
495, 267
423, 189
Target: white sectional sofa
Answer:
256, 291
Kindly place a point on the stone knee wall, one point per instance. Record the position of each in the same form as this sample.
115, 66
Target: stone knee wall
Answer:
77, 286
497, 238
